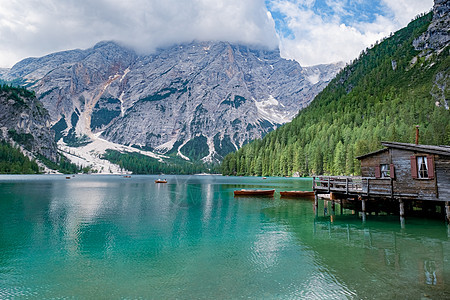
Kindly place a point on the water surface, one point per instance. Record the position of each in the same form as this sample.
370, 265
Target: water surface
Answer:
109, 237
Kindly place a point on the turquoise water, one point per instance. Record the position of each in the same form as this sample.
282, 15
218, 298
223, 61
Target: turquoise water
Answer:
109, 237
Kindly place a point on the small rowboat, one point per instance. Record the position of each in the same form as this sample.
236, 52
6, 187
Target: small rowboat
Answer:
160, 181
67, 177
127, 176
268, 193
297, 194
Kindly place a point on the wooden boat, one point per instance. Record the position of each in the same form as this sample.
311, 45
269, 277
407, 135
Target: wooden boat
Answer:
268, 193
264, 177
160, 181
127, 176
297, 194
67, 177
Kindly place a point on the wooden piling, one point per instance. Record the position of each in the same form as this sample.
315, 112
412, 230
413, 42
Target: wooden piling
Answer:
447, 211
316, 204
402, 207
363, 209
402, 213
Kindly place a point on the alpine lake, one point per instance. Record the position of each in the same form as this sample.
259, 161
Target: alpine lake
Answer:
110, 237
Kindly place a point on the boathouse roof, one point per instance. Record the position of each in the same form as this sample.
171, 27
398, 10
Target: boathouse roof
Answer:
371, 153
440, 150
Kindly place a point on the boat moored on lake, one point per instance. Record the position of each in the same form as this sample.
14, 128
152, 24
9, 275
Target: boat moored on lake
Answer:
263, 193
160, 181
297, 194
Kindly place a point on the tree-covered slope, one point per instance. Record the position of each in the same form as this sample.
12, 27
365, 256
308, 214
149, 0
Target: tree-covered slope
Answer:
25, 127
380, 96
12, 161
25, 121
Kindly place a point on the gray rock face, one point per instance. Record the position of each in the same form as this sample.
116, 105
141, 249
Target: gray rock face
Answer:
200, 100
3, 72
24, 120
434, 41
437, 36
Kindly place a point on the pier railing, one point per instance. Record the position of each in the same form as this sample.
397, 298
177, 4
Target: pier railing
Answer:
353, 185
345, 184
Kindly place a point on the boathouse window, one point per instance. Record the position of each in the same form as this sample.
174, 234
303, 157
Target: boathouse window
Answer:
422, 167
385, 171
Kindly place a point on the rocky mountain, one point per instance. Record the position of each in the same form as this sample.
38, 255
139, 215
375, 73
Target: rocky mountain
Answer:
24, 120
432, 42
437, 35
199, 100
399, 83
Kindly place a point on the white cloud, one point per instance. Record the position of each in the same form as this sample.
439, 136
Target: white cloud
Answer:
38, 27
405, 10
35, 28
318, 39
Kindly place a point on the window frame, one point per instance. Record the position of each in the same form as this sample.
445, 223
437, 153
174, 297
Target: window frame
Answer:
422, 167
385, 171
418, 161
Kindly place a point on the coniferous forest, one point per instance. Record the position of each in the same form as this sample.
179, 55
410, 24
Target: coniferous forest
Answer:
381, 96
12, 161
142, 164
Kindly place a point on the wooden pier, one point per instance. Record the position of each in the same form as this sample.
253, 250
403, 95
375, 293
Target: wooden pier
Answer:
408, 174
360, 186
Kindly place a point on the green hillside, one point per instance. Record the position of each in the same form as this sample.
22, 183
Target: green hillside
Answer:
381, 96
12, 161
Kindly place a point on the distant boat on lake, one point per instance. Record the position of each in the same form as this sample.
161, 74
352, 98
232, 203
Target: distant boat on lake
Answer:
127, 176
254, 193
160, 181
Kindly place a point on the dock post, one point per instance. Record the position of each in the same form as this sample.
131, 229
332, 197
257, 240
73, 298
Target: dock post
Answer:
333, 211
402, 213
402, 207
447, 211
316, 204
363, 208
341, 206
346, 186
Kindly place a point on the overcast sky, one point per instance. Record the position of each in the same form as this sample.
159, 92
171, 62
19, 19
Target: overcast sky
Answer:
309, 31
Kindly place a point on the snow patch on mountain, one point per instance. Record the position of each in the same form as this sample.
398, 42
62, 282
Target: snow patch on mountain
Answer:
271, 110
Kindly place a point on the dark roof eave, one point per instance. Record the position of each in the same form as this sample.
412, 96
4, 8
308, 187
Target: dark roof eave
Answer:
371, 153
440, 150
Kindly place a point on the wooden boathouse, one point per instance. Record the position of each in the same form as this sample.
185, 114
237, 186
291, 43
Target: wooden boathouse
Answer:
409, 174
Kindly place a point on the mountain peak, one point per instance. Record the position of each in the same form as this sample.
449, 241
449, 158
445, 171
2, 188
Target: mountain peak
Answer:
198, 100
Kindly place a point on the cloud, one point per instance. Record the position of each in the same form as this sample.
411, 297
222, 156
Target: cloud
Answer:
338, 30
309, 31
35, 28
